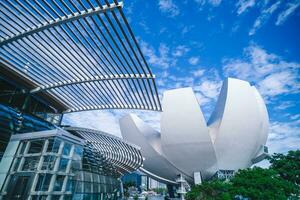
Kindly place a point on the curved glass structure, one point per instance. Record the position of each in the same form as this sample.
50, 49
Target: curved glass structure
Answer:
66, 164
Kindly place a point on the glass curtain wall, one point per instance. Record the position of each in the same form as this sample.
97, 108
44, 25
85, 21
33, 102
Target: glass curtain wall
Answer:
53, 168
22, 112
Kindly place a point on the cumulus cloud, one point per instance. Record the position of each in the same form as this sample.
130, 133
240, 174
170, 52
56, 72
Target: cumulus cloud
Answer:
291, 8
284, 136
100, 120
244, 5
168, 7
193, 60
180, 50
160, 58
108, 120
271, 74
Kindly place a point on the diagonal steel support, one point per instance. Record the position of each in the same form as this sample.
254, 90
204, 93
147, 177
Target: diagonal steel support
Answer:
59, 21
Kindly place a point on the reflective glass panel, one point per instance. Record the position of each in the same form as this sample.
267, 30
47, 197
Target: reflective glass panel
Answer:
55, 197
59, 182
30, 163
76, 165
48, 163
43, 182
67, 149
23, 147
70, 185
36, 146
87, 187
53, 145
78, 151
63, 164
17, 162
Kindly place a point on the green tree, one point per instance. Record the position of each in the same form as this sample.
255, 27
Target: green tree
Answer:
287, 166
212, 190
260, 184
135, 197
280, 181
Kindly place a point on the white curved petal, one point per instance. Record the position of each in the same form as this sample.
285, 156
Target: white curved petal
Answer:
136, 131
237, 124
185, 138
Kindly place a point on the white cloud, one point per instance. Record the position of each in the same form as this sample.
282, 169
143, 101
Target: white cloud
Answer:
279, 83
187, 29
100, 120
295, 117
198, 73
244, 5
193, 60
209, 88
264, 17
161, 58
284, 105
271, 74
210, 2
108, 120
291, 8
284, 136
180, 51
168, 7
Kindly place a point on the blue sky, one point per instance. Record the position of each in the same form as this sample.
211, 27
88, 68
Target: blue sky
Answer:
198, 43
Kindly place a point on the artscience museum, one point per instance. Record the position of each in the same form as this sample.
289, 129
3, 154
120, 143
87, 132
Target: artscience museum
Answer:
187, 146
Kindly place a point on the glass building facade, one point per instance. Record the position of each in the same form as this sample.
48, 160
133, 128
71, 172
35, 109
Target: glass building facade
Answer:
53, 166
22, 112
40, 160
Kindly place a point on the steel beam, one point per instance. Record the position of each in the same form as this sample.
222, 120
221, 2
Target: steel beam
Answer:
91, 79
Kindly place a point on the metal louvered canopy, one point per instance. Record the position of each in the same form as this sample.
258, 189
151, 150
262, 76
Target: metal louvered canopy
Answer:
82, 52
125, 157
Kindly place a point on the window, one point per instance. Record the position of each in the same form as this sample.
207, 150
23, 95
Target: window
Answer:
55, 197
87, 187
23, 148
30, 163
48, 163
87, 176
43, 182
63, 164
78, 151
75, 165
17, 162
67, 149
53, 145
39, 197
36, 146
70, 185
59, 183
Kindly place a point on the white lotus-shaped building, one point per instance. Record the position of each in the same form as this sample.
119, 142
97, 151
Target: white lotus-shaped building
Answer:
232, 139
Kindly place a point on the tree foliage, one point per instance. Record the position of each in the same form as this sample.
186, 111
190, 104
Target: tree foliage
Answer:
280, 181
288, 166
213, 190
258, 183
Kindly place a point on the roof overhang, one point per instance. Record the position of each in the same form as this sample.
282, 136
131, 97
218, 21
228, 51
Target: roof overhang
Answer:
81, 54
